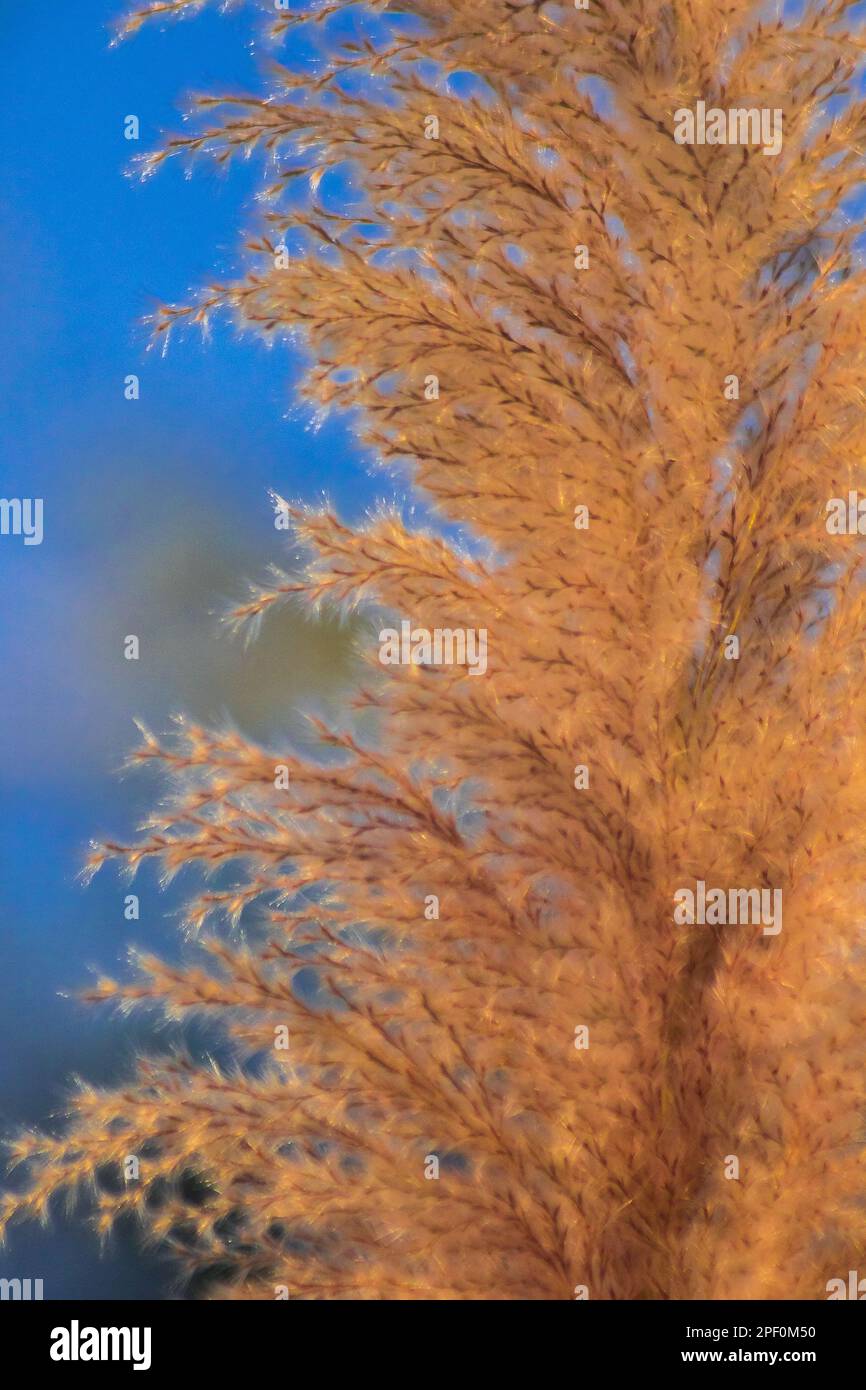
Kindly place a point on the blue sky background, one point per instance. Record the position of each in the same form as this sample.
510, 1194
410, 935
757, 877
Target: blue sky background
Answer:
156, 512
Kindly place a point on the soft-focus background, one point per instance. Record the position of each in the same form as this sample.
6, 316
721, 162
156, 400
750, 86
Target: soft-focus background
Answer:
156, 515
